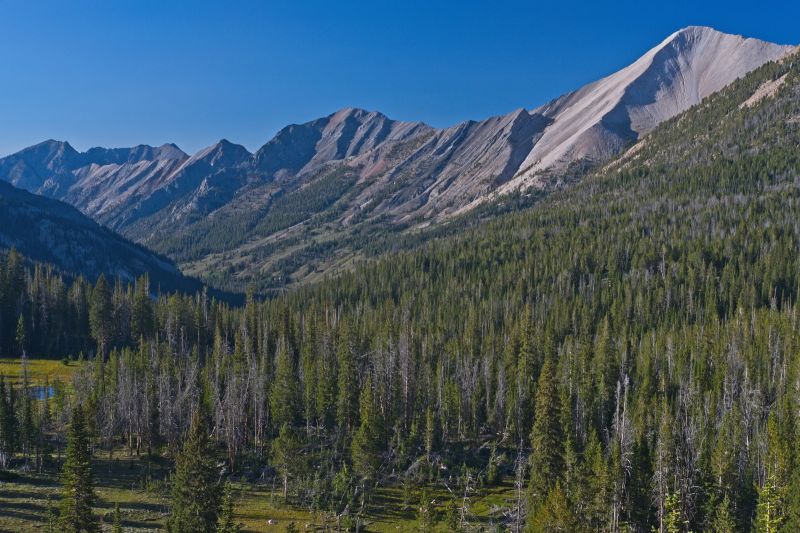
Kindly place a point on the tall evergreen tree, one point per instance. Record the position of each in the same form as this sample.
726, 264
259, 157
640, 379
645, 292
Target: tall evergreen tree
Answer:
285, 398
722, 520
196, 491
366, 446
142, 319
101, 315
347, 396
227, 520
21, 336
116, 527
77, 494
547, 436
553, 515
8, 424
432, 432
285, 455
769, 511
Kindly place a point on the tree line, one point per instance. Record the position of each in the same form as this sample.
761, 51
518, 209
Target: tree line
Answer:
626, 353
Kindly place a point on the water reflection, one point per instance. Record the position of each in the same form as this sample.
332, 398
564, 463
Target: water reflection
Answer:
40, 393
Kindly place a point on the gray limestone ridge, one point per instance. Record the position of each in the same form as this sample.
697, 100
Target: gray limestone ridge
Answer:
599, 119
402, 171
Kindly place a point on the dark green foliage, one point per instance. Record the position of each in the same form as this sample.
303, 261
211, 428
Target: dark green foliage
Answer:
21, 337
635, 336
142, 319
101, 315
196, 492
117, 524
347, 395
722, 520
8, 424
285, 396
367, 441
552, 515
426, 512
547, 437
77, 494
51, 519
770, 509
286, 455
227, 521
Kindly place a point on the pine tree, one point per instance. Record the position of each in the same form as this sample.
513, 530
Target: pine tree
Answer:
78, 486
8, 424
723, 520
366, 448
51, 520
595, 487
101, 315
553, 515
27, 429
21, 337
347, 389
325, 395
769, 510
432, 432
227, 521
793, 499
285, 455
547, 437
195, 486
451, 514
285, 395
117, 525
425, 513
142, 313
672, 514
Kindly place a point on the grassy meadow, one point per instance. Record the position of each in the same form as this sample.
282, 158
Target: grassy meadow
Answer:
138, 486
39, 370
29, 500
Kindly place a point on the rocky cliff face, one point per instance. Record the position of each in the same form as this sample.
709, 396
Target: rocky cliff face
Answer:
598, 120
357, 166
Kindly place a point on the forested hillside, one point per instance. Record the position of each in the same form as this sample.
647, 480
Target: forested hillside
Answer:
316, 197
626, 351
50, 231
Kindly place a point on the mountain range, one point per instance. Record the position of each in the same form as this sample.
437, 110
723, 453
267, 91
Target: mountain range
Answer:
314, 197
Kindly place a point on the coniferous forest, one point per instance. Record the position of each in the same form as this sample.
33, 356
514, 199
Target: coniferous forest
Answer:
625, 352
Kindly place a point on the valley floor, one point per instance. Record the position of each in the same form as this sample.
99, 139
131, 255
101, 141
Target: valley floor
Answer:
137, 485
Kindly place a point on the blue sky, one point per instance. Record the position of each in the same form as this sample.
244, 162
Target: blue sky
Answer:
118, 73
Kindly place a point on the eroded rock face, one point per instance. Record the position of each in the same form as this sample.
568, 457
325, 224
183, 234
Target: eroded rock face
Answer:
598, 120
396, 171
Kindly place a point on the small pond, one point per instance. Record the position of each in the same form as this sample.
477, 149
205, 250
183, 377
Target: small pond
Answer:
40, 393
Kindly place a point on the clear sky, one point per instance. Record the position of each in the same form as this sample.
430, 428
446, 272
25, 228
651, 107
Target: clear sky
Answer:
116, 73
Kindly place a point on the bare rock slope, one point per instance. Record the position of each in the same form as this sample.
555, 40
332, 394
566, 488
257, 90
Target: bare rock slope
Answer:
598, 120
223, 206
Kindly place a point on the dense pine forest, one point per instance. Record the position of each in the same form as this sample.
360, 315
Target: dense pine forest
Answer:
626, 352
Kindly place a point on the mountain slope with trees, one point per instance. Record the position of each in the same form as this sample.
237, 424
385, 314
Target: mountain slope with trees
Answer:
50, 231
317, 197
624, 352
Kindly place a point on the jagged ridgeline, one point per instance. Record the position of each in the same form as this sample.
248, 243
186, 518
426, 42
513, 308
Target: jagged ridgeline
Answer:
323, 195
633, 340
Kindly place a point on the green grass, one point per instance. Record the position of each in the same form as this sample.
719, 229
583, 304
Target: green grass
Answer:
138, 486
39, 370
24, 501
